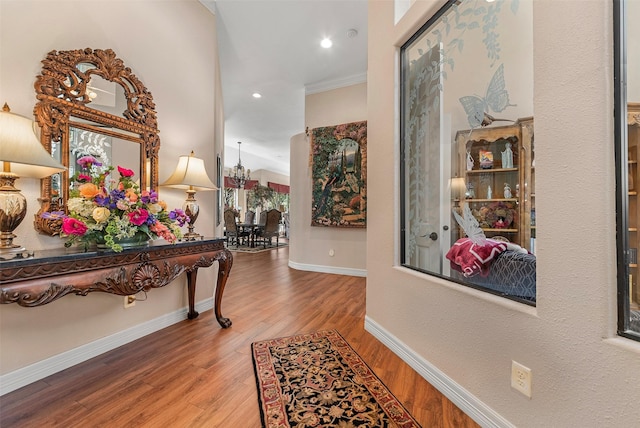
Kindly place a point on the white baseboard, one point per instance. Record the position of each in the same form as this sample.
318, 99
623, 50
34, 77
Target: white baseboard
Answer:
36, 371
468, 403
328, 269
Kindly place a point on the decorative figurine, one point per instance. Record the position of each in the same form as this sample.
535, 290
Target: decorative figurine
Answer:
533, 157
470, 161
517, 190
489, 193
507, 191
470, 193
507, 156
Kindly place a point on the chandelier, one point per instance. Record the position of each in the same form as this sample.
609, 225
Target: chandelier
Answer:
238, 179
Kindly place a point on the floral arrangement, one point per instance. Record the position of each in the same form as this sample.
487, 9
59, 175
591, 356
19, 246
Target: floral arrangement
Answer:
498, 215
105, 210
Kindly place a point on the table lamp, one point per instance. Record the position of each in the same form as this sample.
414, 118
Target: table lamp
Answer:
190, 174
457, 190
21, 155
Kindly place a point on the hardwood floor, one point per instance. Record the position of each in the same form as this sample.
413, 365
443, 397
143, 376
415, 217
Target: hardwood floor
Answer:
196, 374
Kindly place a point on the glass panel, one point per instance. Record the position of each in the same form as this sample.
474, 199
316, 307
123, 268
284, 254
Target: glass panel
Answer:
627, 93
467, 168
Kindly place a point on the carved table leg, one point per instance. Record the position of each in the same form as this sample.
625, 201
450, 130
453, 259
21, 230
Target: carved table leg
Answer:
191, 291
225, 261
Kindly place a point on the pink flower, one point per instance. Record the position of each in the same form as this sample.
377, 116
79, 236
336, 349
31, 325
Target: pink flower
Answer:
88, 161
138, 217
125, 172
71, 226
83, 178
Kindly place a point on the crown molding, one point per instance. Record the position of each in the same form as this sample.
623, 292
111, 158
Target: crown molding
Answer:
328, 85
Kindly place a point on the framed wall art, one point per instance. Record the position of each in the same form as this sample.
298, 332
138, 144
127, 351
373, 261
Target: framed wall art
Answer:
339, 175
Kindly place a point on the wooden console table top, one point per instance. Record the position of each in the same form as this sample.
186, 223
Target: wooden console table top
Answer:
52, 274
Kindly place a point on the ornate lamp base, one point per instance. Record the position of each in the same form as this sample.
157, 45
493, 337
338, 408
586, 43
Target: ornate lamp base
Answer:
192, 209
13, 208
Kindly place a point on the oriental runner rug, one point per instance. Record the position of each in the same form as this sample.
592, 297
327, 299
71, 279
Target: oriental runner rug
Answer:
318, 380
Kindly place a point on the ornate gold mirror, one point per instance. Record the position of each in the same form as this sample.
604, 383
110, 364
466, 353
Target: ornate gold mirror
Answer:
80, 94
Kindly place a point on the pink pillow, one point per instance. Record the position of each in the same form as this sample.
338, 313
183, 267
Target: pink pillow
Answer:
472, 259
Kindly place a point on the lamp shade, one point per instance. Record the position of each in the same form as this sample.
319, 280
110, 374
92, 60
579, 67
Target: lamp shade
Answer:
190, 174
457, 187
21, 150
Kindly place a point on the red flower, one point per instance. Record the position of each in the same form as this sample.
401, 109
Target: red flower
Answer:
125, 172
138, 217
83, 178
71, 226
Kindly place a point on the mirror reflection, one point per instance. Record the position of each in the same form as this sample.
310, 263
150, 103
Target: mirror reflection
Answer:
467, 147
89, 103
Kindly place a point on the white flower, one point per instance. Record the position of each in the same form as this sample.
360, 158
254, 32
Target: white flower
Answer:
101, 214
80, 206
154, 208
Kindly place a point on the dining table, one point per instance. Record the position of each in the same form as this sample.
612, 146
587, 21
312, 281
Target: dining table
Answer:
253, 229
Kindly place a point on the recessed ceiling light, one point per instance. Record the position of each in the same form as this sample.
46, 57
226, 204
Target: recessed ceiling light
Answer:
256, 95
326, 43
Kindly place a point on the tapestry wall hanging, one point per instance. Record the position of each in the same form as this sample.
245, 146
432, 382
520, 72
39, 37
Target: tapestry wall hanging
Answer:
339, 175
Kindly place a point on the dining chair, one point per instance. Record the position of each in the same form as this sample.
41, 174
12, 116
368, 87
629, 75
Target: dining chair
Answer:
271, 227
232, 231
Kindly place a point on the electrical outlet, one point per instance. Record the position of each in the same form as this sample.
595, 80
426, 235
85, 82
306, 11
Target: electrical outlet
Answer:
521, 378
129, 301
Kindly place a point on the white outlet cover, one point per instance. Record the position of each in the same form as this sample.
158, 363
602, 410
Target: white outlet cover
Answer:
521, 378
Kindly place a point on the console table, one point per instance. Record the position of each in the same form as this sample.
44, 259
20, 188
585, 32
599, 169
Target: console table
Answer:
52, 274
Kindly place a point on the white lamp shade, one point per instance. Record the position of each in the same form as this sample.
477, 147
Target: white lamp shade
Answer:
20, 148
457, 187
190, 174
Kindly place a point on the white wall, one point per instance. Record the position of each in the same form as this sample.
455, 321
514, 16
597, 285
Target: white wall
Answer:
171, 47
583, 374
309, 246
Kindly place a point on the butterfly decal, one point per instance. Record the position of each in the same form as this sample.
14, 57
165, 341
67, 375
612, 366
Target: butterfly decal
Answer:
496, 99
471, 226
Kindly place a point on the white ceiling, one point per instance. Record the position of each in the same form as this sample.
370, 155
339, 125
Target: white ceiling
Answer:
273, 47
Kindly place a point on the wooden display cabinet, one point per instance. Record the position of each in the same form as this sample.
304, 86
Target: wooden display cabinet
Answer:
633, 138
507, 214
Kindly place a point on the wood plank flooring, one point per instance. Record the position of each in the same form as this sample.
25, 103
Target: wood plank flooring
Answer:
196, 374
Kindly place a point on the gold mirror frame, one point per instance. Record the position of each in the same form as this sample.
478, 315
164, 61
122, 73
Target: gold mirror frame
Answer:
61, 90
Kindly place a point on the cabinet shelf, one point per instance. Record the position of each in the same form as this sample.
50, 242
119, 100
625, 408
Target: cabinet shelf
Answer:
471, 201
633, 199
491, 170
485, 144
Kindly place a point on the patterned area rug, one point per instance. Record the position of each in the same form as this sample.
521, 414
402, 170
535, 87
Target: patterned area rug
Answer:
318, 380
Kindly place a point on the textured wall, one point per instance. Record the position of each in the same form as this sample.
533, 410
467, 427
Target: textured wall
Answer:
583, 375
311, 245
172, 49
